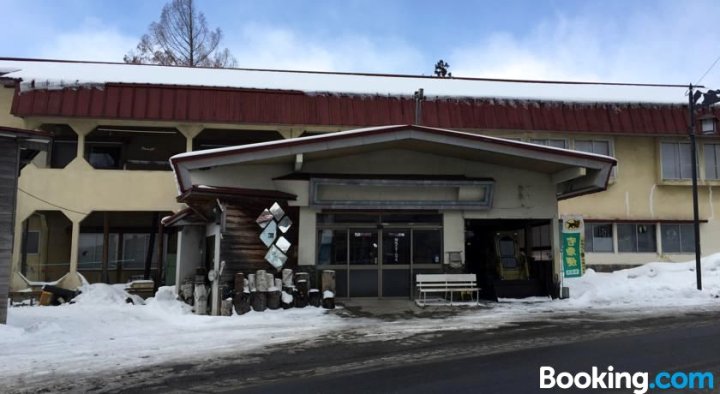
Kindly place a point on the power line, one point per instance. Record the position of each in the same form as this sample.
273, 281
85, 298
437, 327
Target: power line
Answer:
708, 70
49, 203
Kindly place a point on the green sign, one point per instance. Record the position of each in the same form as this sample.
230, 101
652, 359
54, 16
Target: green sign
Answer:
572, 256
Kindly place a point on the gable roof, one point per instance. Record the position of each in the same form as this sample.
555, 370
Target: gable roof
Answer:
438, 141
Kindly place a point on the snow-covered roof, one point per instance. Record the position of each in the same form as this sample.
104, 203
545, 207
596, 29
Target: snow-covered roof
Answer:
44, 74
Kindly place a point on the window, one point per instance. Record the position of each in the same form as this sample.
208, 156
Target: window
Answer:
712, 161
556, 143
63, 152
676, 161
677, 238
598, 237
636, 238
90, 249
135, 250
396, 246
592, 146
32, 242
332, 247
427, 246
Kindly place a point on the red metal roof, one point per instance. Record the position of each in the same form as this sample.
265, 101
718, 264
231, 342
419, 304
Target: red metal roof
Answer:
225, 105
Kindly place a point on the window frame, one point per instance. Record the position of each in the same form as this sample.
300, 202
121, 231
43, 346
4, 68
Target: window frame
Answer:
678, 165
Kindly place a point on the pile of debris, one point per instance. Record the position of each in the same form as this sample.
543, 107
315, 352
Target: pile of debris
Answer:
261, 291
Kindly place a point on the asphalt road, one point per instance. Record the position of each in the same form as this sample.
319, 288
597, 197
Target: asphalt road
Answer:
503, 360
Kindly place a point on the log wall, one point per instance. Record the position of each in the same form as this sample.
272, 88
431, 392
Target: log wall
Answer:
240, 246
8, 190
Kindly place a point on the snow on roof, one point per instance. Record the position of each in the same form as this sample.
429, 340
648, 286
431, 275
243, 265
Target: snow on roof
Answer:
335, 135
44, 74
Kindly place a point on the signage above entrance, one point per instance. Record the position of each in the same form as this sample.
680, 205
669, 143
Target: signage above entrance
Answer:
331, 193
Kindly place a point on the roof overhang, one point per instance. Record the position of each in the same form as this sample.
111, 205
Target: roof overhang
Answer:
573, 172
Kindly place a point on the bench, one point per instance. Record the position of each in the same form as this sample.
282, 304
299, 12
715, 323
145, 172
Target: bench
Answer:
445, 283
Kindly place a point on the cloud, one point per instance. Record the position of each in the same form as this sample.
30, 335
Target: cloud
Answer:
280, 48
93, 40
660, 42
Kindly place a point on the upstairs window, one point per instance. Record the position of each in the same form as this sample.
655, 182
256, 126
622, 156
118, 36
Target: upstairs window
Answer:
554, 142
593, 146
676, 161
712, 161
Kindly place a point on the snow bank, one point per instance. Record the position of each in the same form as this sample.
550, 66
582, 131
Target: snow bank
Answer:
650, 285
102, 294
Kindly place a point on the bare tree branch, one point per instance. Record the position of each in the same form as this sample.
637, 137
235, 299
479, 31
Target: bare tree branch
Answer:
181, 37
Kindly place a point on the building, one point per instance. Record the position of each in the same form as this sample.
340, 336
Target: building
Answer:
93, 204
17, 148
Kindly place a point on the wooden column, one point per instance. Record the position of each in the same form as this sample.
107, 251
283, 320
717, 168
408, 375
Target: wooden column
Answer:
106, 248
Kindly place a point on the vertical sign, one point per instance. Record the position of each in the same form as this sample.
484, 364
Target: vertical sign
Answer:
573, 245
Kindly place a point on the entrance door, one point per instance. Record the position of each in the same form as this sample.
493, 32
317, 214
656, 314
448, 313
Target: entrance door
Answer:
375, 274
364, 262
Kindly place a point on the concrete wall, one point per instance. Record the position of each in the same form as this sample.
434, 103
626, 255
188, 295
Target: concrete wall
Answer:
639, 193
519, 194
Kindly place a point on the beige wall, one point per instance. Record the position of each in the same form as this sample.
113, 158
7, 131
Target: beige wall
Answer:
519, 194
638, 193
6, 118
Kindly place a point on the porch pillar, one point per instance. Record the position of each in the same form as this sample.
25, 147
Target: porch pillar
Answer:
74, 246
557, 258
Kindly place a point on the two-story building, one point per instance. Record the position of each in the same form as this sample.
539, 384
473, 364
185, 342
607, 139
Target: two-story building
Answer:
95, 202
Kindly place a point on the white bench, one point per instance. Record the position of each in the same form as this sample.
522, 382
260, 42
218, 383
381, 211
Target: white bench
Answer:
445, 283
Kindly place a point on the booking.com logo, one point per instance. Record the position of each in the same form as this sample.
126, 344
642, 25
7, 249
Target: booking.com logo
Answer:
640, 382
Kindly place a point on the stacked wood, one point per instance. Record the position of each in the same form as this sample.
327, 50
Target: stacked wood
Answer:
186, 292
251, 283
200, 293
287, 300
241, 299
258, 301
226, 307
328, 301
328, 280
314, 298
274, 299
328, 289
287, 277
261, 284
302, 288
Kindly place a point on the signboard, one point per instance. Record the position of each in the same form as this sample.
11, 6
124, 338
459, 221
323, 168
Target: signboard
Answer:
573, 246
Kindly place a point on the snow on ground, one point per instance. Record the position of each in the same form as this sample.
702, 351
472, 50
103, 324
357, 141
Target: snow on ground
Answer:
100, 332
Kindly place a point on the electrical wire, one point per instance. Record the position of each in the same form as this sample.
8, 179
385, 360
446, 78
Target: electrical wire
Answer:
54, 205
708, 70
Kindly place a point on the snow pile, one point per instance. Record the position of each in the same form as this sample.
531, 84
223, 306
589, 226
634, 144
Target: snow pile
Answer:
101, 333
102, 294
649, 285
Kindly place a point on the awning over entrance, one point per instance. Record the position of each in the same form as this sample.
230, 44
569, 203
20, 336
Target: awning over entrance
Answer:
574, 173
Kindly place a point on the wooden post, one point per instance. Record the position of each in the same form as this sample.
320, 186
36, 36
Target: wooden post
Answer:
328, 289
151, 246
302, 288
106, 249
315, 298
287, 277
160, 255
328, 280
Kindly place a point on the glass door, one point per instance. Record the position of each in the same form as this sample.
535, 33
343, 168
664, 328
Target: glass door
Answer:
364, 262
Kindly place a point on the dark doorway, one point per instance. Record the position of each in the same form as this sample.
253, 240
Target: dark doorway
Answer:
512, 258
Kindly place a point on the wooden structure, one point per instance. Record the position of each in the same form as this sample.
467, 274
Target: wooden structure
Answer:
17, 148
